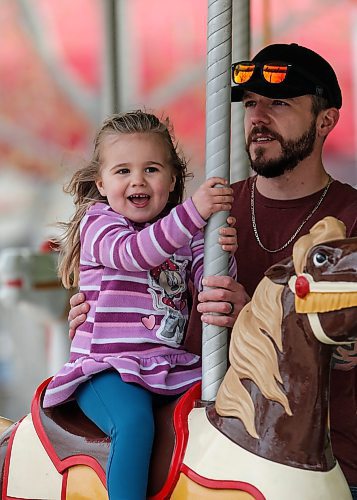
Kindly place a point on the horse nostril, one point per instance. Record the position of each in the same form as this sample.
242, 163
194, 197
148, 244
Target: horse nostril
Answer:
302, 287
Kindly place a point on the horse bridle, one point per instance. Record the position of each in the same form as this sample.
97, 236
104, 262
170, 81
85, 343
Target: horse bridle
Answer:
304, 287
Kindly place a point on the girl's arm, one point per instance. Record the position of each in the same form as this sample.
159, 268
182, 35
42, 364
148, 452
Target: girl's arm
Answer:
108, 239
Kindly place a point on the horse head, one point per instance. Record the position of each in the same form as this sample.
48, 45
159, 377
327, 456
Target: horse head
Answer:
281, 348
322, 275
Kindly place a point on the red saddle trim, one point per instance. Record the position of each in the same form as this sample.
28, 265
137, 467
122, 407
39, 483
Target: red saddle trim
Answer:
180, 420
60, 464
5, 478
180, 417
220, 484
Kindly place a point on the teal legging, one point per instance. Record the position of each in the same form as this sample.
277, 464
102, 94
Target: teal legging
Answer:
124, 412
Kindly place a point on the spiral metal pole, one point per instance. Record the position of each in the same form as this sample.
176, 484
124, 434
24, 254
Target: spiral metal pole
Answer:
218, 121
241, 52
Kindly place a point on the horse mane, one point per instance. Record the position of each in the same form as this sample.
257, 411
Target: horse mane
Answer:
252, 355
257, 334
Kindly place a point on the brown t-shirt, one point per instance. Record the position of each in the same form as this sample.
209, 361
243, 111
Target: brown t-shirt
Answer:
276, 221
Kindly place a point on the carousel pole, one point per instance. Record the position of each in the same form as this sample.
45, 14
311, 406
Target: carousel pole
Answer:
110, 60
218, 123
117, 78
240, 52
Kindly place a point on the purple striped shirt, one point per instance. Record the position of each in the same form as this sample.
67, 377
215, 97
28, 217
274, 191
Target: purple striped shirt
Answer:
135, 279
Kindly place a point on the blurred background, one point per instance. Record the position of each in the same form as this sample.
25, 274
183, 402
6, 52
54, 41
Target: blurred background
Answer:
57, 64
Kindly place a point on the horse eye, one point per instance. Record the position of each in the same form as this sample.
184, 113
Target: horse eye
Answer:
319, 259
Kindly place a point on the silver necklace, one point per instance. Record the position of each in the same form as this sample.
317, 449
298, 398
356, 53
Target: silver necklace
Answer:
254, 223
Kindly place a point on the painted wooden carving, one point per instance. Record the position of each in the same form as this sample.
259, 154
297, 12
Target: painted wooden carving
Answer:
267, 435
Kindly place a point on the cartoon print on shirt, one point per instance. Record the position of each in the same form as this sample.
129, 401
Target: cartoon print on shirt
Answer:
166, 286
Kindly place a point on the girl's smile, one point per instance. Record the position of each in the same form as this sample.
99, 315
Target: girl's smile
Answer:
139, 200
136, 175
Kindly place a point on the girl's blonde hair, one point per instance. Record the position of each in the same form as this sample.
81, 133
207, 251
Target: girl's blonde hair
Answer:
85, 193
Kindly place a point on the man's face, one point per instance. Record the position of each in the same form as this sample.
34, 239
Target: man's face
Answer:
280, 133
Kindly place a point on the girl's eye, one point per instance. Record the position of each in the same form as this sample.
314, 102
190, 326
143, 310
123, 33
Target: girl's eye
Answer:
151, 169
123, 171
319, 259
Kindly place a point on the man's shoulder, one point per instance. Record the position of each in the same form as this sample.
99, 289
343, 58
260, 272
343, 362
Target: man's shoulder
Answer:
344, 189
342, 203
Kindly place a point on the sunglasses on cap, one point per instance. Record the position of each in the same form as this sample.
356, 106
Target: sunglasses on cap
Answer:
272, 72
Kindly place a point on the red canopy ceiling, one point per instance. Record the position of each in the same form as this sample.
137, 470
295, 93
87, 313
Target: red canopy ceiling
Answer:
49, 83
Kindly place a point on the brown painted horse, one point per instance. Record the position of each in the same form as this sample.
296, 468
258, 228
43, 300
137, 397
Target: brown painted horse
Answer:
266, 437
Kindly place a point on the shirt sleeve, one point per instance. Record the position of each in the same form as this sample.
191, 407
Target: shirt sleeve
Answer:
197, 248
108, 239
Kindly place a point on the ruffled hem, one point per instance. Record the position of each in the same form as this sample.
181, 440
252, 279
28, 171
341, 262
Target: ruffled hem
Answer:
169, 374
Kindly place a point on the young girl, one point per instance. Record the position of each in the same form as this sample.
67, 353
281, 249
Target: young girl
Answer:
133, 246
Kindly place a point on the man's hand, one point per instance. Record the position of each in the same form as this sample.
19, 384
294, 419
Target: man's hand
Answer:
78, 312
223, 295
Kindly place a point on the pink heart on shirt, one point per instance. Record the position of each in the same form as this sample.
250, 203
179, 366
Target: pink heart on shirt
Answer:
148, 321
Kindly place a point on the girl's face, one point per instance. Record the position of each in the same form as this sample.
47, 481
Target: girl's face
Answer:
135, 175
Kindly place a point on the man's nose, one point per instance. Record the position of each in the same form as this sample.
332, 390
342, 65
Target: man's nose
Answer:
259, 114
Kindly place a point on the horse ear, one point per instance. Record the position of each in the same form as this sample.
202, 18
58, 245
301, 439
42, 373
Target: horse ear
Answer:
281, 272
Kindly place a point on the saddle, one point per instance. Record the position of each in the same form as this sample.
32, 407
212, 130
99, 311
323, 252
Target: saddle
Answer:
70, 438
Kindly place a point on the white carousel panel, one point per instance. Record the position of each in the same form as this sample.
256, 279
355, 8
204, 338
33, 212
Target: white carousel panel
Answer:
212, 455
32, 473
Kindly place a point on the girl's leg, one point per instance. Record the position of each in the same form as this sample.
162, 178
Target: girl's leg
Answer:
123, 411
353, 492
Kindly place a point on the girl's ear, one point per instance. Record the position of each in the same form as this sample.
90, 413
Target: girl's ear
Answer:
99, 184
327, 121
173, 182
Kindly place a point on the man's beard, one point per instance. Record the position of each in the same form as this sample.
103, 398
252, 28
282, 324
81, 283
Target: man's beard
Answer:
292, 152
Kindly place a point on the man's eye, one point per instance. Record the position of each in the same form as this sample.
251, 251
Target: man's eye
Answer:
276, 102
248, 104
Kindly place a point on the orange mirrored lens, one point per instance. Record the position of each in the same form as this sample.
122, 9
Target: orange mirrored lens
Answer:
243, 72
274, 74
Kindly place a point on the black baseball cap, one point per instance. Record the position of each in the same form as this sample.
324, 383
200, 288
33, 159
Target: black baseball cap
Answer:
309, 73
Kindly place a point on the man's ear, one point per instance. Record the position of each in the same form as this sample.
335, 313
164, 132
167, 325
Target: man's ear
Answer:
327, 120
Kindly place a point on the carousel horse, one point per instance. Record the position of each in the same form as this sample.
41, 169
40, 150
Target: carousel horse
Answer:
267, 435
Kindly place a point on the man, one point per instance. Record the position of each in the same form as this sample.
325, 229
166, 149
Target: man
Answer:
291, 98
